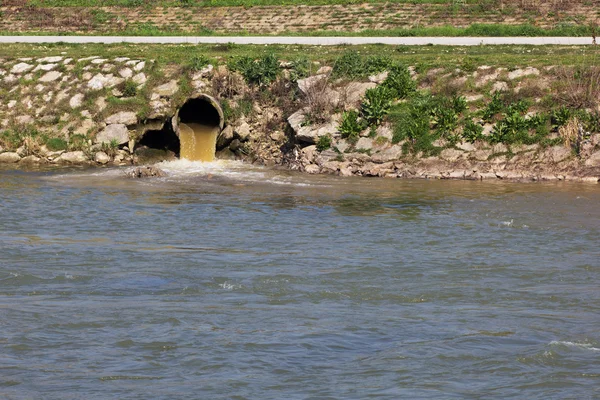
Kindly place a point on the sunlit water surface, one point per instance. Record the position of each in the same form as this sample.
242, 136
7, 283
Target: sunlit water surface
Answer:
225, 281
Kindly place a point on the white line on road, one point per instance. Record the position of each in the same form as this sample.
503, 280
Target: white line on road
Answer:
318, 41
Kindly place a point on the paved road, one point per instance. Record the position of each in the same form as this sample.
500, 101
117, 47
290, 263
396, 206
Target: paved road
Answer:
451, 41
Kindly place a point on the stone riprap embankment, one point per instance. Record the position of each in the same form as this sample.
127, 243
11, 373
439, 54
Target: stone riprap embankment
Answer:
97, 111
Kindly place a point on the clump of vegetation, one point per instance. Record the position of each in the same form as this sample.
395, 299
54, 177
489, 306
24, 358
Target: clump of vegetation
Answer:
352, 65
56, 144
376, 104
259, 72
199, 61
400, 81
130, 89
350, 126
324, 142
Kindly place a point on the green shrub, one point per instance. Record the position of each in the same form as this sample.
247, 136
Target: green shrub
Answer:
324, 142
560, 117
376, 104
350, 127
377, 64
400, 81
259, 72
349, 65
130, 89
56, 144
472, 131
77, 142
495, 106
300, 68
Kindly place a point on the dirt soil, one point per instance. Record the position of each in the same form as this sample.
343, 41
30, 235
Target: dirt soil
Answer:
279, 19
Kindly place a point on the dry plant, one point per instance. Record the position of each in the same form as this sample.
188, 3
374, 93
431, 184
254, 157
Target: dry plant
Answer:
320, 101
227, 85
578, 87
572, 134
31, 145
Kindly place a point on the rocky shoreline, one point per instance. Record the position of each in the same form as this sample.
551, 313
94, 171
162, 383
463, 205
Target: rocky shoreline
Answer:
90, 105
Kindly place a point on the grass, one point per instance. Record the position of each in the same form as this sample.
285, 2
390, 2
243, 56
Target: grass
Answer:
423, 57
224, 3
474, 30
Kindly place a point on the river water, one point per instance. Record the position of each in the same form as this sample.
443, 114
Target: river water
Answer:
226, 281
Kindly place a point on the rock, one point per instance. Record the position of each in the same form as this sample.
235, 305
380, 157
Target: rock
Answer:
30, 160
123, 117
20, 68
225, 154
312, 169
10, 78
11, 104
385, 131
451, 154
85, 127
499, 87
117, 132
121, 59
308, 133
98, 61
519, 73
74, 157
9, 157
342, 145
101, 103
145, 172
364, 144
466, 146
225, 137
76, 101
101, 158
309, 153
168, 89
474, 97
24, 119
306, 84
235, 145
97, 82
557, 154
242, 132
139, 79
50, 76
203, 73
324, 70
126, 73
355, 91
51, 59
391, 154
499, 148
140, 66
45, 67
379, 77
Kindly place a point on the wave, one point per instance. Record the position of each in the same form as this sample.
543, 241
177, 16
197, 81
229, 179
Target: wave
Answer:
583, 346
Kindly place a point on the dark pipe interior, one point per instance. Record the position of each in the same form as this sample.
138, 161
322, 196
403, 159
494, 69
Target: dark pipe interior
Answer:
200, 111
163, 139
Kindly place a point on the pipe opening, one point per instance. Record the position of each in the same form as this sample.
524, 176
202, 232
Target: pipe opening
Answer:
200, 122
158, 144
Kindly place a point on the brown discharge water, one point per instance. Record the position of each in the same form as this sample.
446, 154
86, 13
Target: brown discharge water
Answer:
198, 141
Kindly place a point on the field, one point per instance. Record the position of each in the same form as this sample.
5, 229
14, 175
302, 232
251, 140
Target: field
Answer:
289, 17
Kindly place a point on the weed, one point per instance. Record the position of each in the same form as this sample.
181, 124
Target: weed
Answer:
400, 81
350, 127
376, 104
198, 62
130, 89
259, 72
472, 132
56, 144
324, 142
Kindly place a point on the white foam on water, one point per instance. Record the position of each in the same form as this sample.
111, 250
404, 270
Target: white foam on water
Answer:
231, 169
584, 346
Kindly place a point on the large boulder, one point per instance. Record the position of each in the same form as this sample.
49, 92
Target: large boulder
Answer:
168, 89
73, 157
116, 132
123, 117
310, 133
9, 157
390, 154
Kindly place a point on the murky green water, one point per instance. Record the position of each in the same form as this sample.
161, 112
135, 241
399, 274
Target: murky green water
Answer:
232, 282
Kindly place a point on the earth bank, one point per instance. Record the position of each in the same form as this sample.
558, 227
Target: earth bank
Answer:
101, 111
